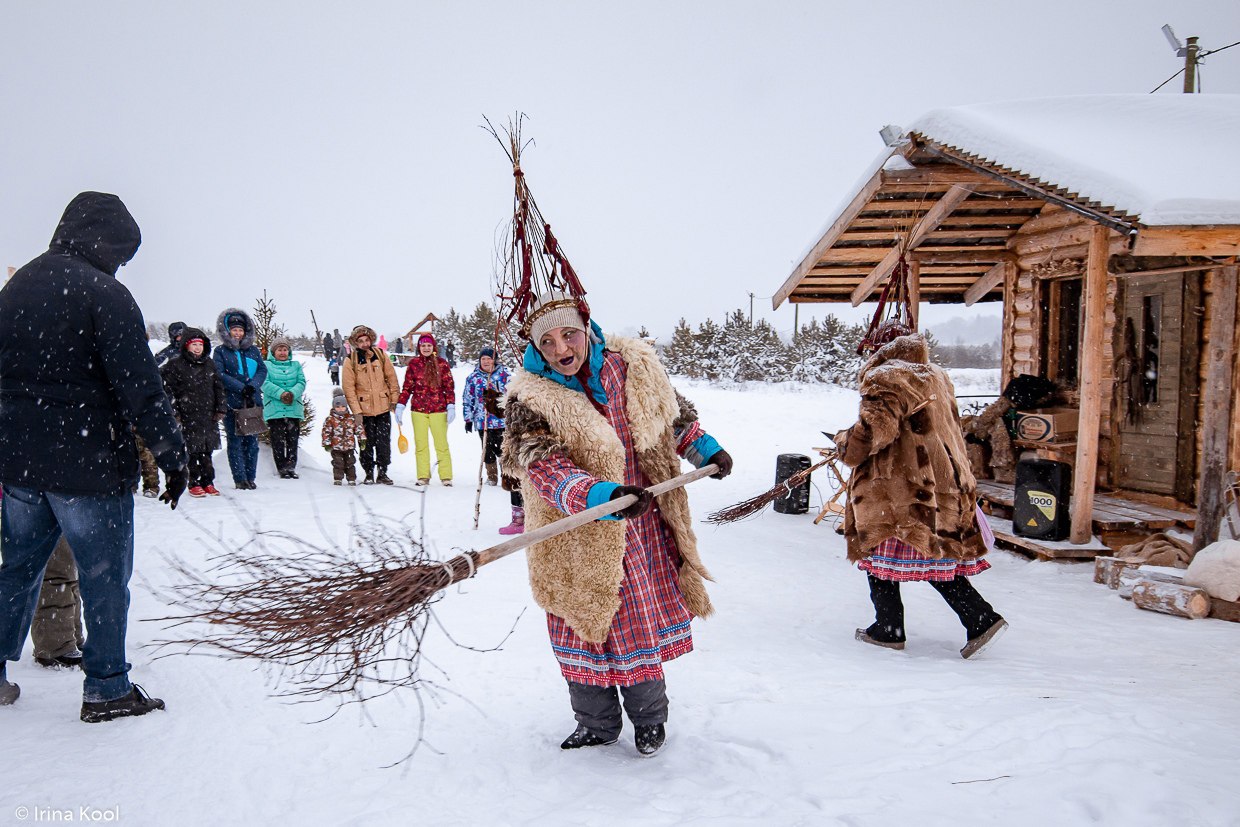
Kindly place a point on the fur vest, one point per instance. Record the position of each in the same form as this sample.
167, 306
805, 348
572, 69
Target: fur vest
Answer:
911, 477
577, 575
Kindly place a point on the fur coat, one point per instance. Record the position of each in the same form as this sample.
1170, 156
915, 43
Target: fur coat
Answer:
911, 477
577, 575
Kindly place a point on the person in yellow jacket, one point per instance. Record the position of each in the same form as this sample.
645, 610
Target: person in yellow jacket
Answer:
369, 383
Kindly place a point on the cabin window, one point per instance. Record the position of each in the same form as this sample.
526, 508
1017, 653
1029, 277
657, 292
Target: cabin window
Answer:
1151, 348
1062, 322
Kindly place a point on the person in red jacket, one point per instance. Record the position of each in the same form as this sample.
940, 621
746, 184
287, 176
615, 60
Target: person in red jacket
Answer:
428, 390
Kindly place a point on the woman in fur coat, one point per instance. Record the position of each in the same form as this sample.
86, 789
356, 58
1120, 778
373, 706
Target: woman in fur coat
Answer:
588, 421
912, 496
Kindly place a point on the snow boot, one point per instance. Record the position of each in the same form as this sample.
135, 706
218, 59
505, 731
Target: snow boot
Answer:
583, 737
982, 642
9, 692
369, 479
383, 478
864, 636
421, 485
649, 739
492, 473
339, 482
69, 661
517, 526
197, 491
211, 490
136, 702
446, 483
150, 492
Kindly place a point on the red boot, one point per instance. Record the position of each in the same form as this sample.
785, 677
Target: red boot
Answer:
517, 526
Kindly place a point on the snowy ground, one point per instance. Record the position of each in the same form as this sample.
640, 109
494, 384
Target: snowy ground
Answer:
1088, 711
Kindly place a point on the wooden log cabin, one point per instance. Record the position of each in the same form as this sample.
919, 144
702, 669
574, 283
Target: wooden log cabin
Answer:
1109, 228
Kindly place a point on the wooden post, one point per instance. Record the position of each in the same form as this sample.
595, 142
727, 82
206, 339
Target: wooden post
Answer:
914, 293
1086, 470
1216, 422
1190, 65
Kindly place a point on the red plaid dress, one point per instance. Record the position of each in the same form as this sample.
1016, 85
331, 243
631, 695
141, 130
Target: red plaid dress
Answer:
652, 624
894, 559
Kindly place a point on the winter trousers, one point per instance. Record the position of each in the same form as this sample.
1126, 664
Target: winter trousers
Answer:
99, 529
437, 424
597, 708
343, 466
57, 627
378, 450
285, 432
242, 451
201, 469
150, 471
976, 615
492, 446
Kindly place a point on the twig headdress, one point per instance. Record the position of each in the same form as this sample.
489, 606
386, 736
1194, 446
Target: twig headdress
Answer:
537, 277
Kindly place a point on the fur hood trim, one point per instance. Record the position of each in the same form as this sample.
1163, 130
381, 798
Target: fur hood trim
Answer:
226, 339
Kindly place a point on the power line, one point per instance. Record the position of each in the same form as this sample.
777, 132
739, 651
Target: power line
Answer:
1168, 80
1212, 51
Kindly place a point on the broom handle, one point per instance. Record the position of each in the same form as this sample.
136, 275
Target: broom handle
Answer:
490, 555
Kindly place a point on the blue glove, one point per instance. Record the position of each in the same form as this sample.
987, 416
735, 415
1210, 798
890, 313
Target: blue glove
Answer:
400, 413
451, 413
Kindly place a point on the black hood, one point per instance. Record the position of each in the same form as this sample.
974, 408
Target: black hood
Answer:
98, 227
191, 333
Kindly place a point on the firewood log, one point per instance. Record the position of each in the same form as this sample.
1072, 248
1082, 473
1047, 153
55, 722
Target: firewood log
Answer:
1172, 598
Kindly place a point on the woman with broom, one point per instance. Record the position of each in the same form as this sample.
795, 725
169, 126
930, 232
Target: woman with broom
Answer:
912, 497
590, 420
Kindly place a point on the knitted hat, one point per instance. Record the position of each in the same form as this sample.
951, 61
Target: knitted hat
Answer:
338, 398
281, 341
551, 310
487, 351
426, 337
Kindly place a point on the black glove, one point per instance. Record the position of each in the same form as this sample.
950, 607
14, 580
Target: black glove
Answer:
724, 460
469, 427
644, 498
174, 486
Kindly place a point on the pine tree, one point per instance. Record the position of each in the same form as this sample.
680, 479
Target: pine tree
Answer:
710, 351
265, 328
680, 355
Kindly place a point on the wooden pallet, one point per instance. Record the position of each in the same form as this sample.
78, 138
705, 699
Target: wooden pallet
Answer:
1045, 549
1110, 513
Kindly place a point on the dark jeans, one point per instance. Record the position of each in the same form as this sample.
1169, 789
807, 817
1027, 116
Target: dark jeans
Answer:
99, 528
201, 469
242, 451
976, 615
597, 708
285, 432
492, 446
378, 451
343, 466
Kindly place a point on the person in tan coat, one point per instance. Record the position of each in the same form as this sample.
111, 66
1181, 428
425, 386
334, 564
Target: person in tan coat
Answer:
911, 512
370, 386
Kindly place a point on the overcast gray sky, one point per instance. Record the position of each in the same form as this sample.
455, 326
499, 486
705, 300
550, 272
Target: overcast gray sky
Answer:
687, 152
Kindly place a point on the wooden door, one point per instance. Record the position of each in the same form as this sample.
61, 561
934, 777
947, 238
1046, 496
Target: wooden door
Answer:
1158, 339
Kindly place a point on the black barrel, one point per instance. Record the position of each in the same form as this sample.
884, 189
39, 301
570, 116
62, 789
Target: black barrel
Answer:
1043, 494
796, 499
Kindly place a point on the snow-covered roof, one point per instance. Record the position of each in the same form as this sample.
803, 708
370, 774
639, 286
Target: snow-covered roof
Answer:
1162, 159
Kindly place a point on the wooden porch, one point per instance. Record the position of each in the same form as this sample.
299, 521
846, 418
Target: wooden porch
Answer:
1116, 521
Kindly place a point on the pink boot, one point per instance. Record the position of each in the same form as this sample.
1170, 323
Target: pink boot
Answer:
517, 526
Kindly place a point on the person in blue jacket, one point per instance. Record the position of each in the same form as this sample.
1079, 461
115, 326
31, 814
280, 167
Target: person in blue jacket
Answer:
243, 372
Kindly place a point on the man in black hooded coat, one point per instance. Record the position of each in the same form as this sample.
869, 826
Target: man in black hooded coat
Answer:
76, 380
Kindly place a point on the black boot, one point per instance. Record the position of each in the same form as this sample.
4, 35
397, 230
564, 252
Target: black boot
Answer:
61, 661
369, 479
648, 739
976, 615
583, 737
383, 478
887, 630
136, 702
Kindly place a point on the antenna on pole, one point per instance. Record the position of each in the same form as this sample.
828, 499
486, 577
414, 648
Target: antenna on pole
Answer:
1190, 53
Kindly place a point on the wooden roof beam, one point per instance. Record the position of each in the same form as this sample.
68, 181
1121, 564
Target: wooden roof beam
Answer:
942, 208
1206, 240
989, 281
828, 238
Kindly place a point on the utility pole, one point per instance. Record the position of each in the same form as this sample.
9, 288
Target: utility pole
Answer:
1190, 65
751, 310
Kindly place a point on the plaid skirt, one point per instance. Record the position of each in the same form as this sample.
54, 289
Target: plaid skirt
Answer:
652, 624
896, 560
